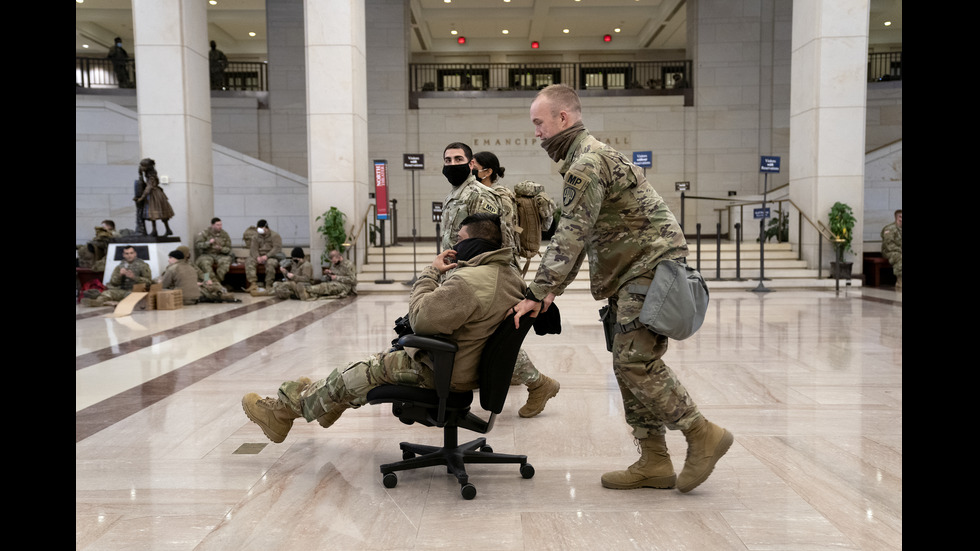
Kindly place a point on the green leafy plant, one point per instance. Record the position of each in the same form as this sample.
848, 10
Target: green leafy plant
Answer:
333, 232
778, 227
842, 228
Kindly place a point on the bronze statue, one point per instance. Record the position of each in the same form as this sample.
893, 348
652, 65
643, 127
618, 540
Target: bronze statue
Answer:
152, 202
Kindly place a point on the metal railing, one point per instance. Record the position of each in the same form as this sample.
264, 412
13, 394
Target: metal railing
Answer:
885, 66
622, 75
96, 72
736, 224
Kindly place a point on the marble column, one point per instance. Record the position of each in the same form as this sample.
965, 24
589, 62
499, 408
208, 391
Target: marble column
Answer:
827, 115
174, 98
336, 98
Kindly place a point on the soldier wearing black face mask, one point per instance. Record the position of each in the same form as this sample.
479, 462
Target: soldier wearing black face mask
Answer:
467, 197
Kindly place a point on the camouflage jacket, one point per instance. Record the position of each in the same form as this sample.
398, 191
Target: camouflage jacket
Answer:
611, 213
221, 245
268, 244
140, 268
891, 241
344, 273
302, 272
468, 198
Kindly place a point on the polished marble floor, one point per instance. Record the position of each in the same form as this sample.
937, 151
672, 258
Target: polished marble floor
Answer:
809, 381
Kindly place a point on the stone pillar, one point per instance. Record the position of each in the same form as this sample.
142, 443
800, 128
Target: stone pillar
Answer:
393, 128
287, 85
174, 98
336, 97
827, 115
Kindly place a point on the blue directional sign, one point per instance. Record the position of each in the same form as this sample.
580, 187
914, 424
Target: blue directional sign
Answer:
760, 213
643, 159
769, 164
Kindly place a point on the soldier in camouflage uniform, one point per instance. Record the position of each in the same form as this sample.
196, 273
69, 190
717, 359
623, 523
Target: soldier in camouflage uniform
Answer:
265, 248
298, 276
213, 246
130, 271
612, 214
467, 305
475, 195
891, 246
340, 279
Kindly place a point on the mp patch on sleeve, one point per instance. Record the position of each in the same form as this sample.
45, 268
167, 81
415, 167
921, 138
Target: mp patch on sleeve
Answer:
576, 181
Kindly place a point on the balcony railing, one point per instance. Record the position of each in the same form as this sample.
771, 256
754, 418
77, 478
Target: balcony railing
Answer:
94, 72
886, 66
650, 75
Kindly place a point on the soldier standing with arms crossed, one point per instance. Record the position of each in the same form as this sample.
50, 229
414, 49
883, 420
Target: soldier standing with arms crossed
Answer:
612, 213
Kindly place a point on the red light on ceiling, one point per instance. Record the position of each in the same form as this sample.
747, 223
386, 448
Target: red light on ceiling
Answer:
535, 44
607, 38
461, 40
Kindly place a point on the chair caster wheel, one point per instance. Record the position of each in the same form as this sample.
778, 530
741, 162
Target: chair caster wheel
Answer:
527, 471
468, 491
486, 449
390, 480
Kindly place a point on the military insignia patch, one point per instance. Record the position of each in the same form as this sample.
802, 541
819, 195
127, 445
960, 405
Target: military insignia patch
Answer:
575, 182
488, 207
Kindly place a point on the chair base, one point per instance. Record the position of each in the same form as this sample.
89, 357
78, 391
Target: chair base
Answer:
455, 458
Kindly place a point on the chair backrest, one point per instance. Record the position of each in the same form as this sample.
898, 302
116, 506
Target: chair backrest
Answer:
497, 362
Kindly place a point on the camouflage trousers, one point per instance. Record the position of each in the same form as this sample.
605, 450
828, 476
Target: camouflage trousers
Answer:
653, 397
329, 289
112, 294
212, 292
288, 289
349, 386
251, 271
524, 371
206, 263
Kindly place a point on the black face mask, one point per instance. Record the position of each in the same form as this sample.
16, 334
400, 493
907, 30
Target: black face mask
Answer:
469, 248
456, 174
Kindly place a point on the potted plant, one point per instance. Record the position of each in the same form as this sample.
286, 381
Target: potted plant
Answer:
333, 232
842, 229
778, 227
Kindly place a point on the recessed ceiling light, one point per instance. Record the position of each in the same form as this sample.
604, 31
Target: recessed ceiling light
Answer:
251, 33
616, 30
505, 31
564, 31
453, 32
888, 23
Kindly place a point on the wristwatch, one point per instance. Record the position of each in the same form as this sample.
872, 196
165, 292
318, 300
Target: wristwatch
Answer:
530, 296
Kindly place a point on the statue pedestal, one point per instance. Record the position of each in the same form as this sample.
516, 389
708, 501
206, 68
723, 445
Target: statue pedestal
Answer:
153, 251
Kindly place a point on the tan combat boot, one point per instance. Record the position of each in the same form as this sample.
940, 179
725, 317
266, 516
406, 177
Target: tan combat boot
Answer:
270, 414
538, 394
652, 470
331, 416
252, 286
706, 443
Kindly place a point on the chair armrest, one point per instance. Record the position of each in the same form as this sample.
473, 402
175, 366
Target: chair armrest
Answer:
442, 351
436, 344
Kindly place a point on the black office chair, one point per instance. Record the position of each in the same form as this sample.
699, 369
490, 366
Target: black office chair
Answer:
451, 410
